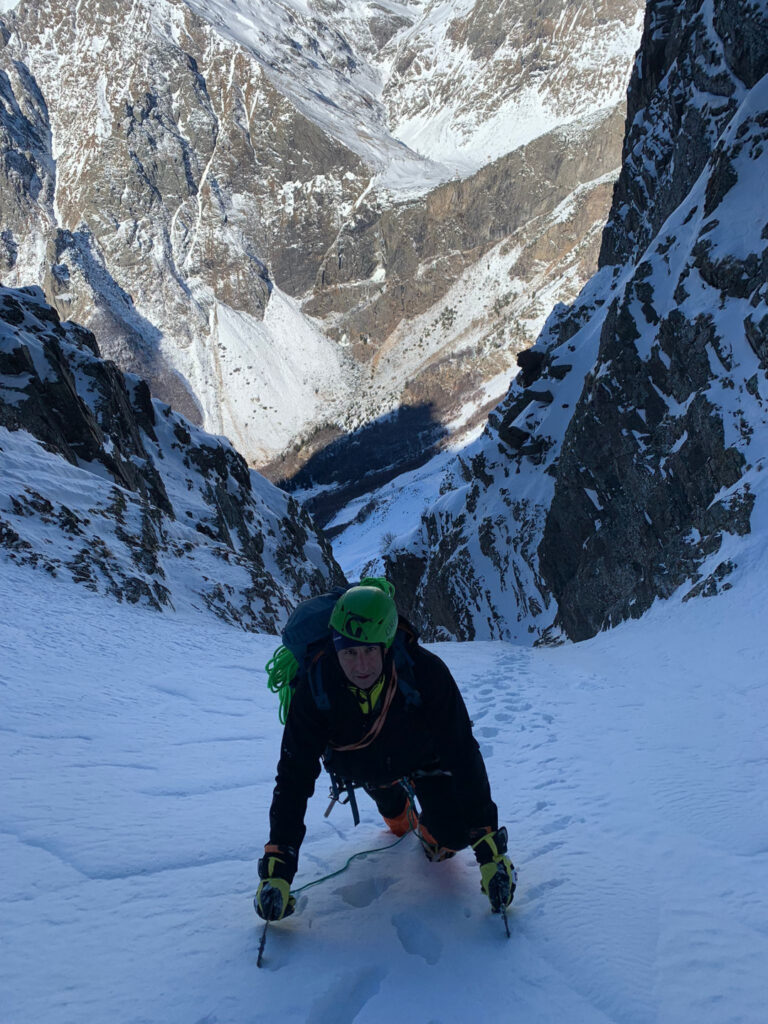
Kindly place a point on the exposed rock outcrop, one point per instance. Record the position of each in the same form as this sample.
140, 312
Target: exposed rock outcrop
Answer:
184, 184
625, 461
690, 72
215, 197
103, 483
400, 290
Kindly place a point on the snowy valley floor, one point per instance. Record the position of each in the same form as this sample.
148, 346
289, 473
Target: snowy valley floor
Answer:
137, 760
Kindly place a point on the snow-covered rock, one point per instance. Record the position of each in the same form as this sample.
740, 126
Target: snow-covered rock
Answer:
626, 459
173, 172
103, 484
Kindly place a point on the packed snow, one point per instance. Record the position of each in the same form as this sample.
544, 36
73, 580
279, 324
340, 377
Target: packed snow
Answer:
138, 757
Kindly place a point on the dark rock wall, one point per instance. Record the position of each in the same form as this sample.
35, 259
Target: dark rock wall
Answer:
688, 80
655, 437
625, 462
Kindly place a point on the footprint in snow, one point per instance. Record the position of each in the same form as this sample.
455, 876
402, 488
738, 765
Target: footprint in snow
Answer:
541, 805
537, 891
344, 1000
362, 894
557, 825
542, 850
417, 937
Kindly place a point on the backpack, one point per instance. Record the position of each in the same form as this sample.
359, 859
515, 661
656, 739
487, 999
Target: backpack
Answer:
304, 638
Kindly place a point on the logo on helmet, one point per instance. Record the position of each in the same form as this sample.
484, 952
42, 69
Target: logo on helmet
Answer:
354, 626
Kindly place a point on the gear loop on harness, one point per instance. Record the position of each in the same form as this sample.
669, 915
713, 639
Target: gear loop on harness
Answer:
338, 788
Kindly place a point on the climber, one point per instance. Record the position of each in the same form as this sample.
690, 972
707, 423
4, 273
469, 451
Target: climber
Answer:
383, 714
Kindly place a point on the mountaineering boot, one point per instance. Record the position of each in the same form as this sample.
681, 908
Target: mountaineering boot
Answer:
403, 823
498, 875
406, 821
432, 849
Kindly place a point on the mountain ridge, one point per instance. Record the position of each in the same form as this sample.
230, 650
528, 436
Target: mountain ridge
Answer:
105, 485
626, 459
205, 160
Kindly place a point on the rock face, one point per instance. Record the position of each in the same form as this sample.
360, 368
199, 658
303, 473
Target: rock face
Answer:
218, 193
626, 460
429, 332
179, 170
103, 483
471, 81
681, 97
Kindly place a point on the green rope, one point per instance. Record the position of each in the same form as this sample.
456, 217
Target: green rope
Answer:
281, 669
380, 582
334, 874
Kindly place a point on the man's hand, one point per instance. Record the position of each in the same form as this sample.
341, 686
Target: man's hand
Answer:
497, 872
273, 900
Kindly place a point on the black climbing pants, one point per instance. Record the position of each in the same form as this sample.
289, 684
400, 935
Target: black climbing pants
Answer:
449, 811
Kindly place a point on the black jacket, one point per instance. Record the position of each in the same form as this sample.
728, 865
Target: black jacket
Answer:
433, 732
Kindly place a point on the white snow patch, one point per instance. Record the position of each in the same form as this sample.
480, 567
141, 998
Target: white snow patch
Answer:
138, 760
272, 376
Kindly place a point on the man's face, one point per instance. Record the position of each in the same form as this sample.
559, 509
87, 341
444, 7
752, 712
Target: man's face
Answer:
361, 665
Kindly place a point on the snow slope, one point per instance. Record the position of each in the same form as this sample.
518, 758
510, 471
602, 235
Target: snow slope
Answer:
367, 527
271, 376
104, 485
138, 754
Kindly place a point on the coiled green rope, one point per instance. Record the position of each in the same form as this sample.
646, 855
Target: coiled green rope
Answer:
281, 669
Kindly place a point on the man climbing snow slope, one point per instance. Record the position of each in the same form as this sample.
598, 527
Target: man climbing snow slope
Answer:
386, 715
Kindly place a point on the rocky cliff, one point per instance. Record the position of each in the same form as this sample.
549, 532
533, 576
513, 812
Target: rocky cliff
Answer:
100, 482
173, 171
294, 218
625, 461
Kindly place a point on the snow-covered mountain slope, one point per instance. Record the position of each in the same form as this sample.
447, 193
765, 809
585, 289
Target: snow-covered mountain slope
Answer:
179, 169
138, 759
101, 484
477, 267
431, 89
366, 528
164, 200
322, 56
627, 459
471, 81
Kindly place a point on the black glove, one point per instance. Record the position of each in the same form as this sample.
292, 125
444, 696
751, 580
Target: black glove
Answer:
499, 878
273, 900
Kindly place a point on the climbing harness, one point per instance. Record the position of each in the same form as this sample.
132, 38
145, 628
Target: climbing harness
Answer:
338, 788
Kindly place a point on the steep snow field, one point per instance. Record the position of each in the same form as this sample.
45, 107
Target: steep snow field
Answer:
137, 760
369, 527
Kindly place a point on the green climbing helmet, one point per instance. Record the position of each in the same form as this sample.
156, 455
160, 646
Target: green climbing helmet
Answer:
367, 613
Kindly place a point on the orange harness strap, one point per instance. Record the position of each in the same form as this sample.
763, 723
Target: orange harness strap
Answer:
378, 725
